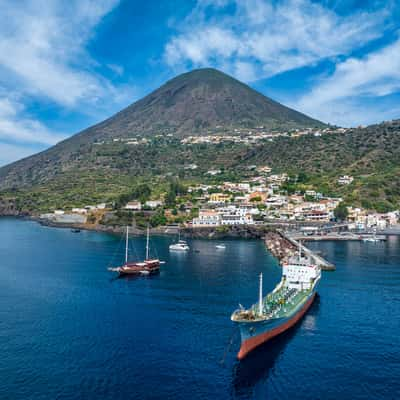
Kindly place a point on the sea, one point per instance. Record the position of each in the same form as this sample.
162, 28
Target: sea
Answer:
70, 330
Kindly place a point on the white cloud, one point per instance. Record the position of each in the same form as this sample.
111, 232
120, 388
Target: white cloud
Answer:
44, 58
14, 127
42, 46
273, 38
339, 97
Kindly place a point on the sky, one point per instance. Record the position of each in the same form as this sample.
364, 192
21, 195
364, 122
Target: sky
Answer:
67, 65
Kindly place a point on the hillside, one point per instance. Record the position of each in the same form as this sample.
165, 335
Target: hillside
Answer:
104, 173
200, 102
371, 155
98, 165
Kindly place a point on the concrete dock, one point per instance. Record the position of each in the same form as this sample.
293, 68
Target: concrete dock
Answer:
348, 236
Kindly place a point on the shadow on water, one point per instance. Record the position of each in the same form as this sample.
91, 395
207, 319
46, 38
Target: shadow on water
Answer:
260, 363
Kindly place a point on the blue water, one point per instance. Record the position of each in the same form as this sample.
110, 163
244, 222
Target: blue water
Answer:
70, 331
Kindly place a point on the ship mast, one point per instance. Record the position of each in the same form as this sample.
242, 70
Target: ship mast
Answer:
260, 300
126, 245
147, 243
299, 250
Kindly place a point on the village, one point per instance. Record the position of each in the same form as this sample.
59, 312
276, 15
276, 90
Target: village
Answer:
251, 136
218, 135
258, 200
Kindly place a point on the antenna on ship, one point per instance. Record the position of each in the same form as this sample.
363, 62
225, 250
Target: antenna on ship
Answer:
260, 300
126, 245
147, 243
299, 250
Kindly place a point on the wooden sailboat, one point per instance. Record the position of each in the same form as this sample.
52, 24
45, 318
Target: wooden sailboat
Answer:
147, 267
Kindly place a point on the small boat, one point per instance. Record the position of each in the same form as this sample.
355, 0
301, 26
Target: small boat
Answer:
370, 239
373, 238
75, 230
181, 245
146, 267
220, 246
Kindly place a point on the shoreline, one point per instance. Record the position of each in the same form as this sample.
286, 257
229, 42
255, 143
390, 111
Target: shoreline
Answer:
211, 233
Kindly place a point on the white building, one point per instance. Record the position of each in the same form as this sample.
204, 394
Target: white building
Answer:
134, 205
154, 203
232, 215
244, 187
345, 180
77, 210
311, 193
190, 167
207, 218
229, 215
213, 172
276, 201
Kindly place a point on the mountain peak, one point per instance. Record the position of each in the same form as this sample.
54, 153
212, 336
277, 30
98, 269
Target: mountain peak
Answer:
198, 101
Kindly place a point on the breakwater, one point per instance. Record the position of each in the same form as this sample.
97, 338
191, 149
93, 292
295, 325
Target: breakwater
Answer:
283, 247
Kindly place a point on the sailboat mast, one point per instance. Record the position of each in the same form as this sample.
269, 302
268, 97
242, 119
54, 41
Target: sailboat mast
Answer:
147, 244
260, 299
299, 250
126, 245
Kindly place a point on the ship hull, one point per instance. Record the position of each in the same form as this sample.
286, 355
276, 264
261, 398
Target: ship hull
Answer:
148, 267
255, 334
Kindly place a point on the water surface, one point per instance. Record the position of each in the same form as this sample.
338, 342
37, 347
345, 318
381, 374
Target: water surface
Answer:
70, 331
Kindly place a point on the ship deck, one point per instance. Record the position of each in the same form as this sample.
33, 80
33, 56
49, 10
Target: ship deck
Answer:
281, 303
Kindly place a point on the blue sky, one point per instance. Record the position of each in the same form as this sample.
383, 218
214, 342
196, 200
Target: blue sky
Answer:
67, 65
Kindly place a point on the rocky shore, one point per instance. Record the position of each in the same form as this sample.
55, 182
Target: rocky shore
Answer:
212, 233
8, 208
279, 247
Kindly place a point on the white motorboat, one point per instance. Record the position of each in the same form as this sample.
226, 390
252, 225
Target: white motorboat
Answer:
181, 245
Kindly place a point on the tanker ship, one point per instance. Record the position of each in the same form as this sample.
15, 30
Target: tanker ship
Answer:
282, 308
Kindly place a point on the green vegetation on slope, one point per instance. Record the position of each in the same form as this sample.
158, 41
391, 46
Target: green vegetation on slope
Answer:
116, 172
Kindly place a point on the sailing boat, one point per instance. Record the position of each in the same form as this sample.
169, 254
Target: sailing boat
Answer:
146, 267
181, 245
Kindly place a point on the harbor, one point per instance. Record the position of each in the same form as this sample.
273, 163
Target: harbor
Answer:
173, 327
282, 246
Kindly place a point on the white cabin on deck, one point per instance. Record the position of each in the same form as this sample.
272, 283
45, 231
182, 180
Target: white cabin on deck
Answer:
300, 273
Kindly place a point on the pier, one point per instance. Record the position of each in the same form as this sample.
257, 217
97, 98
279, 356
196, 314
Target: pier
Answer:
336, 236
283, 246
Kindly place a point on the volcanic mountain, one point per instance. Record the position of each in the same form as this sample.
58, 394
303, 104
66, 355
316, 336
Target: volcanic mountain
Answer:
195, 103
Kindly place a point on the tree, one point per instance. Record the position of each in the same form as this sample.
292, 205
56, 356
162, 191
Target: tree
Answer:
170, 199
158, 219
141, 192
302, 177
341, 212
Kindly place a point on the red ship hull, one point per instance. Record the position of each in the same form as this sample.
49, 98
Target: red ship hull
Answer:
250, 344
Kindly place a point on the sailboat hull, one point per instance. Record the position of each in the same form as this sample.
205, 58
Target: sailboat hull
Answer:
148, 267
